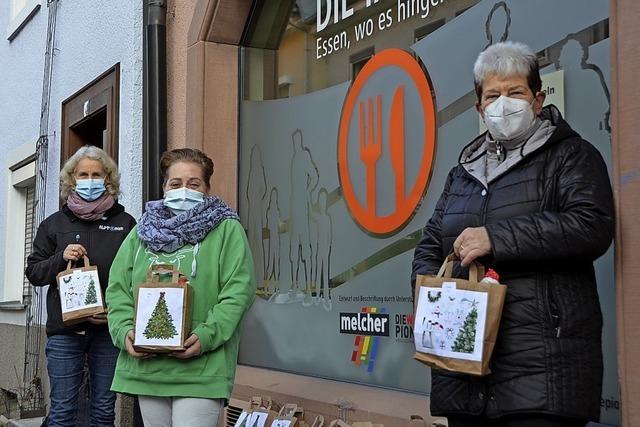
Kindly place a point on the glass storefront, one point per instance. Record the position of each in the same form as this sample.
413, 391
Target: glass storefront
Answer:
312, 126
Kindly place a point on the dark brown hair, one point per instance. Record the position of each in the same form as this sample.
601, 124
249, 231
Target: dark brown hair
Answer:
189, 155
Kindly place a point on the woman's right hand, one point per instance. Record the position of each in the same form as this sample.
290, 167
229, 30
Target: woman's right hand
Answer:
74, 252
128, 341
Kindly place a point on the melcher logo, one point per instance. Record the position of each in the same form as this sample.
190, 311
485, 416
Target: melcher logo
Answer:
368, 325
371, 324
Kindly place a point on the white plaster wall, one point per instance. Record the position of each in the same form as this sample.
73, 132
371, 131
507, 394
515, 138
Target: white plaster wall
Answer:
91, 36
20, 93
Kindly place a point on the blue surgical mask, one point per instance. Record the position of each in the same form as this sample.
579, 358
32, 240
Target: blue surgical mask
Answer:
90, 189
182, 199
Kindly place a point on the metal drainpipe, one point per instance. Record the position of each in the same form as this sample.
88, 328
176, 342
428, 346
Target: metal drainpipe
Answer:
155, 96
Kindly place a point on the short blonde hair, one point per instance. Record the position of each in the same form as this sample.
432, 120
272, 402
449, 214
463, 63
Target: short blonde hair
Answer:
112, 177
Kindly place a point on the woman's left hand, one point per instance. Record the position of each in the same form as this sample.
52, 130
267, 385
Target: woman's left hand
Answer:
471, 244
192, 348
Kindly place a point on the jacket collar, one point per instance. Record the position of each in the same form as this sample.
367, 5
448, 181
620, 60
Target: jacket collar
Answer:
476, 148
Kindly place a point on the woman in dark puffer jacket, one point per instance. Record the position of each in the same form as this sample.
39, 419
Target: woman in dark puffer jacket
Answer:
531, 199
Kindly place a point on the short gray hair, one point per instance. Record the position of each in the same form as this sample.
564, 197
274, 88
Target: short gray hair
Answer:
507, 59
112, 177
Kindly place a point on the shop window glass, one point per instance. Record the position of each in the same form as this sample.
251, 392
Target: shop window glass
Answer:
282, 39
317, 267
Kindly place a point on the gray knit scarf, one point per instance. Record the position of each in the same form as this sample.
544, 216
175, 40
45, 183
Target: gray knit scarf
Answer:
161, 231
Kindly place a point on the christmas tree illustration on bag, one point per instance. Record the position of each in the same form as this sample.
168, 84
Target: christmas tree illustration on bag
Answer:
92, 296
160, 323
466, 339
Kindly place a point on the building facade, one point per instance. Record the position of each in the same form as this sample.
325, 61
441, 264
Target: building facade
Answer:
95, 97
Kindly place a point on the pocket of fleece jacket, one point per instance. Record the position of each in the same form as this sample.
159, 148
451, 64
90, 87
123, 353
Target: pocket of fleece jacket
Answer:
166, 366
210, 364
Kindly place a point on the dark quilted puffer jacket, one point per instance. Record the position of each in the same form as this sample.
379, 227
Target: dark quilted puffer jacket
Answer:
548, 218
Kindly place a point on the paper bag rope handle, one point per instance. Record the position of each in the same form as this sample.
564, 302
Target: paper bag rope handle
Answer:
175, 274
476, 270
86, 262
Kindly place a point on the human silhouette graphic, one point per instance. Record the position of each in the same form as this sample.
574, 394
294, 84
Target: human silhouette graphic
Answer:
498, 23
256, 192
273, 244
323, 238
587, 97
304, 180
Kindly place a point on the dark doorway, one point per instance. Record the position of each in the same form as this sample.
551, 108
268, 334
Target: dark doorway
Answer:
92, 130
90, 116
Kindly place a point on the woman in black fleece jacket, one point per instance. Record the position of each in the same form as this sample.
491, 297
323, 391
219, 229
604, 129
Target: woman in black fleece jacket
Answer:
94, 224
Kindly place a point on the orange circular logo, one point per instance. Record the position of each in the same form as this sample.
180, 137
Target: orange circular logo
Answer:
382, 141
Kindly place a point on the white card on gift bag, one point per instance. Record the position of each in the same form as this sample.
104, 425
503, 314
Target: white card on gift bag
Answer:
80, 290
450, 322
80, 293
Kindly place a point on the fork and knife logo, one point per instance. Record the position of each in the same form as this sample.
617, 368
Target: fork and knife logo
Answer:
370, 140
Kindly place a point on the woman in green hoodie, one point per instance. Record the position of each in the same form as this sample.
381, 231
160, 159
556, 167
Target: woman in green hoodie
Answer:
203, 238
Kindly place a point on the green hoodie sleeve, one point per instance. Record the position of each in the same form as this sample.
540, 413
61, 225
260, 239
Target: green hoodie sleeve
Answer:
119, 295
237, 289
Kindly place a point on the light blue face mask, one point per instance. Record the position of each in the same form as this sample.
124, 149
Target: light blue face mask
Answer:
90, 189
182, 199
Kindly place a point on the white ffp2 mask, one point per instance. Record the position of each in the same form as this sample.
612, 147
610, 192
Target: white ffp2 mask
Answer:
508, 118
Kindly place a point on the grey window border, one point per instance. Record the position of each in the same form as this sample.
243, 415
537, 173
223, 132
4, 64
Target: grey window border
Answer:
22, 18
12, 306
423, 31
363, 54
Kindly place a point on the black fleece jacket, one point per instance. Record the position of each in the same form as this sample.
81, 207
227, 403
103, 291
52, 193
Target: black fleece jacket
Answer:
100, 238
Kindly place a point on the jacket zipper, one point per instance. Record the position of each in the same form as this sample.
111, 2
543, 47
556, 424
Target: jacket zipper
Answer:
552, 310
485, 197
483, 213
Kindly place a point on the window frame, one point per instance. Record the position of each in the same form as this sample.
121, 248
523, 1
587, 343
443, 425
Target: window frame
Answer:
424, 30
358, 59
19, 20
21, 174
101, 94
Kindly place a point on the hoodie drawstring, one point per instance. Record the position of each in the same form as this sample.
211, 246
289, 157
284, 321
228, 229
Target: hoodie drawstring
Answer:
194, 263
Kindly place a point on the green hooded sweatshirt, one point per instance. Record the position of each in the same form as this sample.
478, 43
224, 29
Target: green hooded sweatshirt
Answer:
224, 288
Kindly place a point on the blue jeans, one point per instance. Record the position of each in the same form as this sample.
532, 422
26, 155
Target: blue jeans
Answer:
66, 356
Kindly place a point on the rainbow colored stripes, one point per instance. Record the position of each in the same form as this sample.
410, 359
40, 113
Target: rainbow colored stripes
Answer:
366, 346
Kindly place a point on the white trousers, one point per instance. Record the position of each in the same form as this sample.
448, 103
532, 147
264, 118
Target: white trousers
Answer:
179, 411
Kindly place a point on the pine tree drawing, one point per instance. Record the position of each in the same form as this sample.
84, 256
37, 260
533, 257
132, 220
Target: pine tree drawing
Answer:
92, 296
160, 323
466, 339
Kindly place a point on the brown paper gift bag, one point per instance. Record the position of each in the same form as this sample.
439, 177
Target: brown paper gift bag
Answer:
80, 293
259, 413
162, 320
456, 320
290, 415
